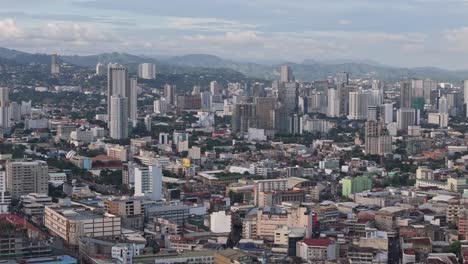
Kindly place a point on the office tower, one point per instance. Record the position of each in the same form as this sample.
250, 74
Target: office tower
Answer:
205, 98
373, 113
342, 78
333, 109
163, 139
295, 123
54, 65
265, 112
317, 102
405, 117
160, 106
343, 93
133, 101
15, 111
148, 122
118, 84
148, 182
286, 74
4, 110
214, 88
287, 105
100, 69
242, 118
357, 105
170, 94
188, 102
118, 122
406, 95
377, 140
24, 177
417, 88
428, 87
386, 113
196, 90
375, 97
147, 71
443, 105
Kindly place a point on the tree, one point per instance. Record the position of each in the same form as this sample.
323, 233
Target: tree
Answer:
455, 248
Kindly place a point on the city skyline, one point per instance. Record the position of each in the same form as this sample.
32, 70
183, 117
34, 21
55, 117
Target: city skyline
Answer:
402, 33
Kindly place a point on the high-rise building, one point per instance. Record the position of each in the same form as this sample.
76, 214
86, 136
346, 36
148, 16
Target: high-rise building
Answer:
54, 65
160, 106
357, 105
148, 182
428, 87
118, 123
242, 118
118, 84
377, 140
342, 78
214, 88
4, 110
24, 177
417, 88
133, 101
373, 113
443, 106
205, 98
286, 74
333, 109
265, 112
405, 117
148, 122
100, 69
163, 139
170, 94
386, 113
15, 111
465, 96
147, 71
406, 95
343, 93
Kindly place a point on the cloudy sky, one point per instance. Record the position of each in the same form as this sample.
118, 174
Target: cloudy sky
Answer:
393, 32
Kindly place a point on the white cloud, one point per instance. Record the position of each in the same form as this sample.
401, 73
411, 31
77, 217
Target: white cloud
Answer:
204, 24
344, 22
9, 29
457, 39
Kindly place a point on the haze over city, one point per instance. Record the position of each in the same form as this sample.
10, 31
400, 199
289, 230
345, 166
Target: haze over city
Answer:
398, 33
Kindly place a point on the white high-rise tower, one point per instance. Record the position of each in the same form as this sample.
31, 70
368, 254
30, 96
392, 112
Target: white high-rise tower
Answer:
118, 122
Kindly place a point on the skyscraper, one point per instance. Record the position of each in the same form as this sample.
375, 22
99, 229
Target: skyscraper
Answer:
4, 110
443, 106
118, 84
54, 65
170, 94
100, 69
286, 74
133, 100
405, 117
147, 71
357, 105
119, 117
333, 109
214, 88
406, 95
265, 112
377, 140
242, 118
342, 78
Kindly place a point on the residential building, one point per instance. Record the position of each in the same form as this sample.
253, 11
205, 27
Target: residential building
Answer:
24, 177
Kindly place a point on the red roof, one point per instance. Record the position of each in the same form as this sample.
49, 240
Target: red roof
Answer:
317, 242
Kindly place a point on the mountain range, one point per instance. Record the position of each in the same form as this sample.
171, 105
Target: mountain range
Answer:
308, 70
